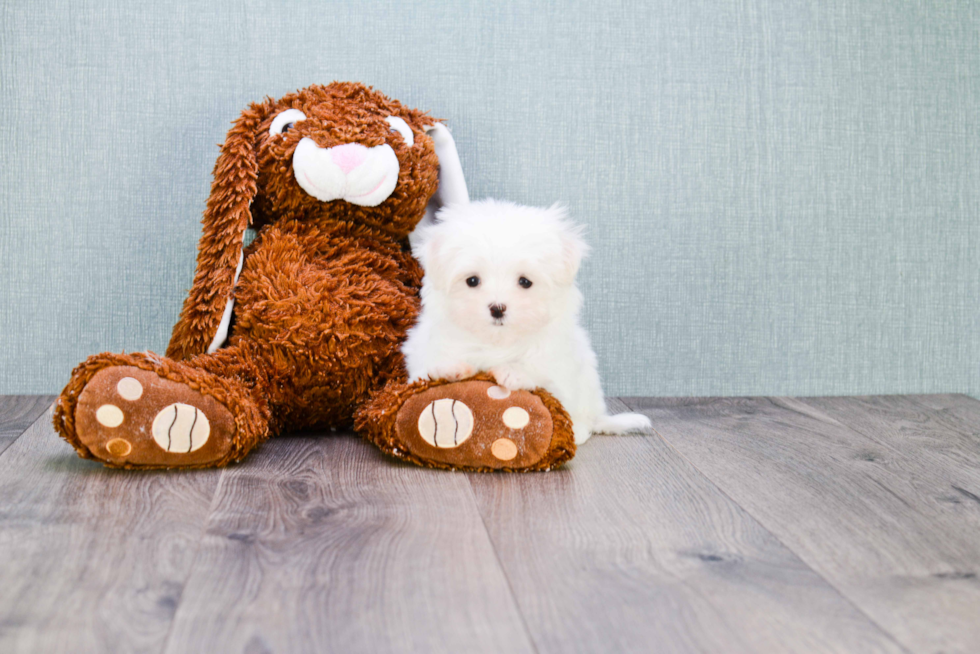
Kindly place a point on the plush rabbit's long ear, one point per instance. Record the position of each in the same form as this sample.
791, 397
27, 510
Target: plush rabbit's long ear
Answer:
452, 183
204, 320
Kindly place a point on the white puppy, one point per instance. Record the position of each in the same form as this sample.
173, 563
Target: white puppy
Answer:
499, 295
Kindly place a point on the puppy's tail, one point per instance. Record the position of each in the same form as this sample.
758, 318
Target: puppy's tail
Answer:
621, 423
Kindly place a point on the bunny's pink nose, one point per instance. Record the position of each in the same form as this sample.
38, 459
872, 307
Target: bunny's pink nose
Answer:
348, 156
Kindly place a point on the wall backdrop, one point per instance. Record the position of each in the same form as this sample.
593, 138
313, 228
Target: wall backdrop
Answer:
782, 195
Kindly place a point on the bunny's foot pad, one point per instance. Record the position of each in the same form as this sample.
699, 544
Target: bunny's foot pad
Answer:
470, 425
128, 417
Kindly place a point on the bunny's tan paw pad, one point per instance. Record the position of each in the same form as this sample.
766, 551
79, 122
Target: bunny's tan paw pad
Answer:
476, 425
131, 417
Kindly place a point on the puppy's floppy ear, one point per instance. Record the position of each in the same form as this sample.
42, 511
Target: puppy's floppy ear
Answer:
428, 248
452, 184
573, 246
203, 323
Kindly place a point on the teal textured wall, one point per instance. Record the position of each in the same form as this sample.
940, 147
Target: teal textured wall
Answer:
782, 195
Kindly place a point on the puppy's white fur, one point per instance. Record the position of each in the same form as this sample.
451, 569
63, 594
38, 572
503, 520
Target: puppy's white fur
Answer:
537, 341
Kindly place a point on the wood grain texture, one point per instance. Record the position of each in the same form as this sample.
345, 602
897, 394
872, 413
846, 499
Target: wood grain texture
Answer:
746, 525
866, 515
945, 438
95, 559
318, 544
17, 413
630, 548
959, 413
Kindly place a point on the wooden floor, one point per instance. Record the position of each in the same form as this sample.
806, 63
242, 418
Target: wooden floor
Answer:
741, 525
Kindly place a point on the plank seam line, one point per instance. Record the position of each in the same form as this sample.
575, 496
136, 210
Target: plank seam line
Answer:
46, 414
761, 524
898, 452
500, 564
197, 555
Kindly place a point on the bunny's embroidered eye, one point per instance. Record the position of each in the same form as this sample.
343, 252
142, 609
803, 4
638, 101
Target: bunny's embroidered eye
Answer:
285, 120
473, 281
524, 282
400, 126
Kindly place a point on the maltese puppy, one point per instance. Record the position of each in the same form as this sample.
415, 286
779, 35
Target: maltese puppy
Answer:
499, 295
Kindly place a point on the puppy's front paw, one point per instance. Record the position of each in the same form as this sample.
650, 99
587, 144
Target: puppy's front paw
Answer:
512, 380
453, 372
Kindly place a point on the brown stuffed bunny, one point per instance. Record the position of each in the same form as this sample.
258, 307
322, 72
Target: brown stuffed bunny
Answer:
302, 328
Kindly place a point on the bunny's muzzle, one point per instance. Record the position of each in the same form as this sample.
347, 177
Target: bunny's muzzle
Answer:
352, 172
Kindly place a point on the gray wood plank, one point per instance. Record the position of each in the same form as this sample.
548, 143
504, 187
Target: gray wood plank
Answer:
95, 559
960, 413
943, 402
942, 439
630, 548
17, 413
318, 544
866, 516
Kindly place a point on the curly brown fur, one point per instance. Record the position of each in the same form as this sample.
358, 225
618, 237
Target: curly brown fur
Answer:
253, 173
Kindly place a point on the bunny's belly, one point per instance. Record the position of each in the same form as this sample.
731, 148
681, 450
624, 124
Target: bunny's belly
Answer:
327, 331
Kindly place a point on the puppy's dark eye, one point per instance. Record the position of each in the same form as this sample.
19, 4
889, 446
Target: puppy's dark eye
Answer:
286, 127
524, 282
473, 281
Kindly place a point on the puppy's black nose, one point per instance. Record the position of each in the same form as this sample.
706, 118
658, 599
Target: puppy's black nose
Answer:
497, 310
